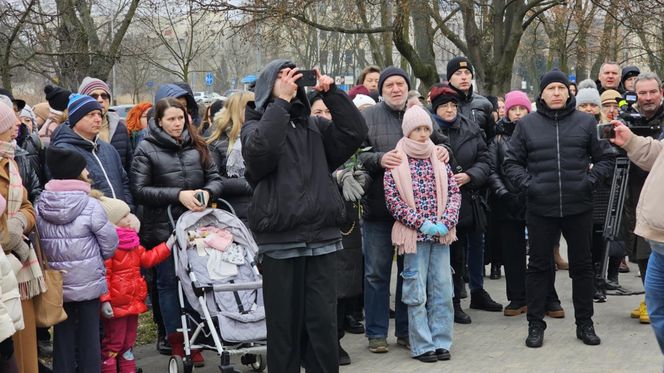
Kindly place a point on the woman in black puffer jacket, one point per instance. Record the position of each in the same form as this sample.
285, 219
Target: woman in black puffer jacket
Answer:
169, 167
226, 150
471, 165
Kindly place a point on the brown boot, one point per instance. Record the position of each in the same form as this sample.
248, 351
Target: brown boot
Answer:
560, 262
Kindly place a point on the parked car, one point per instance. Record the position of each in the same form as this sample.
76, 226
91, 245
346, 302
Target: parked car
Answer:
212, 97
121, 110
199, 96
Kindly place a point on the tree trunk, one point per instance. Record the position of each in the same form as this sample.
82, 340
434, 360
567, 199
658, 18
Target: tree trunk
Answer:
604, 45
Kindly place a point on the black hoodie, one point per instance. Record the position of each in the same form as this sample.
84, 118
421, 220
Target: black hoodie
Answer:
289, 156
549, 156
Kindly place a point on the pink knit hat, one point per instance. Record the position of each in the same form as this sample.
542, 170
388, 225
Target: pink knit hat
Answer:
515, 98
415, 116
7, 117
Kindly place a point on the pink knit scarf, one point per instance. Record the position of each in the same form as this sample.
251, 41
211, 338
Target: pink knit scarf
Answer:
403, 237
128, 238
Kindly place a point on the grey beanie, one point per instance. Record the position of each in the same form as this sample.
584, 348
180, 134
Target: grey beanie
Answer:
588, 96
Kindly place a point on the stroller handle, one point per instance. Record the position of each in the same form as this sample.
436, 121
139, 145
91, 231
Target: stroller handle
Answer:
236, 287
219, 200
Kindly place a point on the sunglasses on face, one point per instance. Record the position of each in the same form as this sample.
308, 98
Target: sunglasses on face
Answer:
104, 96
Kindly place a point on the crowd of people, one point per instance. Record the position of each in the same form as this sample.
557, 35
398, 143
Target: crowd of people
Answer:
335, 187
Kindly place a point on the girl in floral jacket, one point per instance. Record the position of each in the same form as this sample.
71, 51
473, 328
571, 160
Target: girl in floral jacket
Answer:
424, 199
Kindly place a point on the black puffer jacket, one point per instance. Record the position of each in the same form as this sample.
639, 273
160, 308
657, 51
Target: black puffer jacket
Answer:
29, 177
237, 190
161, 168
120, 139
508, 202
35, 154
469, 155
478, 109
549, 156
385, 131
289, 156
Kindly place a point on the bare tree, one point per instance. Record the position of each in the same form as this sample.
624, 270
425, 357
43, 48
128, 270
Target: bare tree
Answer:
183, 31
13, 20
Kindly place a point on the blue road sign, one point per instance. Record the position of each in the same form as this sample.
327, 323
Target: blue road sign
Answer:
150, 84
209, 79
572, 78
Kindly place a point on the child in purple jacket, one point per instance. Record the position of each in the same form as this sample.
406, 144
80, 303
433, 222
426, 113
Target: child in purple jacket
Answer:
424, 199
76, 237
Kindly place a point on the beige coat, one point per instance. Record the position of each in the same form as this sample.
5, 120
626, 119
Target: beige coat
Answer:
648, 154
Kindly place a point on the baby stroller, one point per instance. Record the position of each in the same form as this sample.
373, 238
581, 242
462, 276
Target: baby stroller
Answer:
220, 292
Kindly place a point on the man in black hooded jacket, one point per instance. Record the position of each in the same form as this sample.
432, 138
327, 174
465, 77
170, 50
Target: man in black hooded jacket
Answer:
296, 211
549, 157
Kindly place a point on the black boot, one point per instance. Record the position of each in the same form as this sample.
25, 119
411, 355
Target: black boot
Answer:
481, 300
586, 333
459, 287
163, 346
495, 272
460, 317
535, 334
344, 358
352, 325
599, 291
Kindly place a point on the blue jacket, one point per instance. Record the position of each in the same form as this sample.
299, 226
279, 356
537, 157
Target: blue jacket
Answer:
104, 163
76, 237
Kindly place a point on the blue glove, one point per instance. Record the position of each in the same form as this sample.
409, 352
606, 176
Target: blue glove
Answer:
442, 229
429, 228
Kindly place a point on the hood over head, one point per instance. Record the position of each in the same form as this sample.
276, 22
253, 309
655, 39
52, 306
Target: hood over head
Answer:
265, 84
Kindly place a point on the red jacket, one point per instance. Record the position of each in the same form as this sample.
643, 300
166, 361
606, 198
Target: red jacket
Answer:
126, 287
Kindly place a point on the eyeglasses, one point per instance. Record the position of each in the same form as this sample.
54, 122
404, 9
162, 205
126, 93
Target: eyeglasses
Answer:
104, 96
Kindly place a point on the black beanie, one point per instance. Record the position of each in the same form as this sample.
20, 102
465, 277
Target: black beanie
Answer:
388, 72
458, 63
628, 72
553, 76
57, 97
64, 163
215, 108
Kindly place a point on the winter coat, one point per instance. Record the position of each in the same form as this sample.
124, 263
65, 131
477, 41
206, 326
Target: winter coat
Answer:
385, 131
648, 154
119, 136
161, 168
26, 208
549, 156
237, 190
28, 175
103, 163
11, 314
289, 156
34, 152
469, 155
76, 237
508, 202
127, 289
478, 109
177, 90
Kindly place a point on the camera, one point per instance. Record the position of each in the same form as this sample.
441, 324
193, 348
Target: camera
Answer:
632, 118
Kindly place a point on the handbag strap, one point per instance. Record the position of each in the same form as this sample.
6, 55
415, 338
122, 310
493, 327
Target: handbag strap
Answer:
38, 250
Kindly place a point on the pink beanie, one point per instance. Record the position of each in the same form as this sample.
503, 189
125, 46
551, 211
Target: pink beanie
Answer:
7, 117
515, 98
90, 85
415, 116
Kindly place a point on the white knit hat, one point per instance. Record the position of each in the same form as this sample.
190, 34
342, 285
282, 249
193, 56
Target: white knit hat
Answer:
116, 209
363, 100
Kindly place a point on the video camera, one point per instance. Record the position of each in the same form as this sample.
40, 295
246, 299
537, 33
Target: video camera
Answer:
632, 118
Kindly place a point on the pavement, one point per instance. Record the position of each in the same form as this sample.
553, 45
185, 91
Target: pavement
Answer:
495, 343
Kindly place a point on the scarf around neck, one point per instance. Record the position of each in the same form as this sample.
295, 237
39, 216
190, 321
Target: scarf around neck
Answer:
128, 238
15, 193
403, 237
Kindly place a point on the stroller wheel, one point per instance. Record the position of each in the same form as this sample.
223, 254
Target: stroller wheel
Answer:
175, 364
260, 363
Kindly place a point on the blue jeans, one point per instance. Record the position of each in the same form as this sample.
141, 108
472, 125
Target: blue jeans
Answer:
654, 286
378, 254
167, 287
428, 290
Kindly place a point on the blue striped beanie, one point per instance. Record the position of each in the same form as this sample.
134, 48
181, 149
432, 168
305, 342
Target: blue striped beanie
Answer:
79, 106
